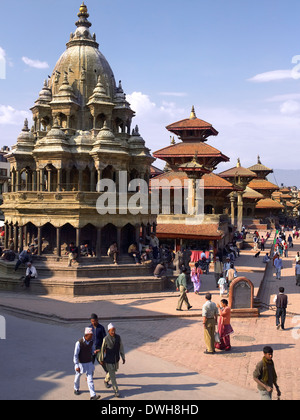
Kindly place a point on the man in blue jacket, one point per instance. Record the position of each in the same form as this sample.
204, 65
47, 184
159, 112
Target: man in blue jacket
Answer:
98, 336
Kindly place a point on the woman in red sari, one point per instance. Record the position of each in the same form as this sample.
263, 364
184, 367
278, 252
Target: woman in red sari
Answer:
224, 326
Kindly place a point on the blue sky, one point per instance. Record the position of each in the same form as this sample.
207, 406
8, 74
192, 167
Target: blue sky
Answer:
231, 59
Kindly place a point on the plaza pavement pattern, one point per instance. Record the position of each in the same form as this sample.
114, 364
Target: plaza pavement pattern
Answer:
164, 348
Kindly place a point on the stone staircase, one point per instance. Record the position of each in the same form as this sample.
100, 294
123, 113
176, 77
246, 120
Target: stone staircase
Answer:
90, 277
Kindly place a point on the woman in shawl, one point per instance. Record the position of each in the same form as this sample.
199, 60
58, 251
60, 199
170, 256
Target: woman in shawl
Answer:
195, 277
224, 327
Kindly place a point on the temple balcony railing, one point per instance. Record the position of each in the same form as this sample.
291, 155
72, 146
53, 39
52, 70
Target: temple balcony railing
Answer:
67, 199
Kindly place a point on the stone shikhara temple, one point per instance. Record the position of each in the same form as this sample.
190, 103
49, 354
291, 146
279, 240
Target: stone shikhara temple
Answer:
82, 133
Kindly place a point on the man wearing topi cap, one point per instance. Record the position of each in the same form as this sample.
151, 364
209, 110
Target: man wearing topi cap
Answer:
111, 351
84, 363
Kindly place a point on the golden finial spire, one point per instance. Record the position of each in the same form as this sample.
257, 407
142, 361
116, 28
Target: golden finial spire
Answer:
238, 163
193, 114
83, 8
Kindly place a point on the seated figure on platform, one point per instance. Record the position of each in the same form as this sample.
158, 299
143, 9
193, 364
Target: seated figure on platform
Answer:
72, 254
134, 253
113, 252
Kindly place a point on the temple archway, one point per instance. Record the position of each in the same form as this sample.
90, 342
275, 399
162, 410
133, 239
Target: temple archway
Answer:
88, 236
48, 238
68, 235
128, 237
109, 234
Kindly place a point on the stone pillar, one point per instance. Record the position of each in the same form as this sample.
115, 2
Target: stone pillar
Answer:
39, 237
10, 232
41, 180
25, 236
34, 181
78, 233
13, 181
144, 233
240, 211
18, 181
119, 240
98, 244
59, 179
58, 241
99, 176
232, 211
191, 196
21, 239
49, 180
137, 233
92, 180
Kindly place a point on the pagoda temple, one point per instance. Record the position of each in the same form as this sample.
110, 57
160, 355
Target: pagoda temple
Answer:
192, 159
267, 209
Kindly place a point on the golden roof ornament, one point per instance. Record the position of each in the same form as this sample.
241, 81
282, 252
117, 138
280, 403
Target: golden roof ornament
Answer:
238, 163
193, 114
83, 9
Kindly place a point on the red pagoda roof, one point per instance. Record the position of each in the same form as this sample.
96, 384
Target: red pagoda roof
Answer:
262, 184
203, 128
211, 181
190, 149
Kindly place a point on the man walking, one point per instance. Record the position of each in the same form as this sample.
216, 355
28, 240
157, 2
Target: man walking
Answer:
181, 286
265, 375
111, 352
210, 320
84, 364
99, 334
281, 301
278, 267
218, 270
297, 273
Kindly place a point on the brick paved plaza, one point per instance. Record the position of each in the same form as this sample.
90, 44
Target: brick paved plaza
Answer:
165, 357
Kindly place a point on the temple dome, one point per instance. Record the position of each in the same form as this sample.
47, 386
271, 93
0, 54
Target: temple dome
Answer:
25, 138
84, 63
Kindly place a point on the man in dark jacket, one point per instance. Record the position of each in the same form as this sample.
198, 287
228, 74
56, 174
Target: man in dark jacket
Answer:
98, 335
281, 301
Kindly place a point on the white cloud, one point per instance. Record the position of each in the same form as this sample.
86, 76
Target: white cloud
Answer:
141, 103
2, 53
272, 76
290, 107
152, 118
12, 116
37, 64
286, 97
